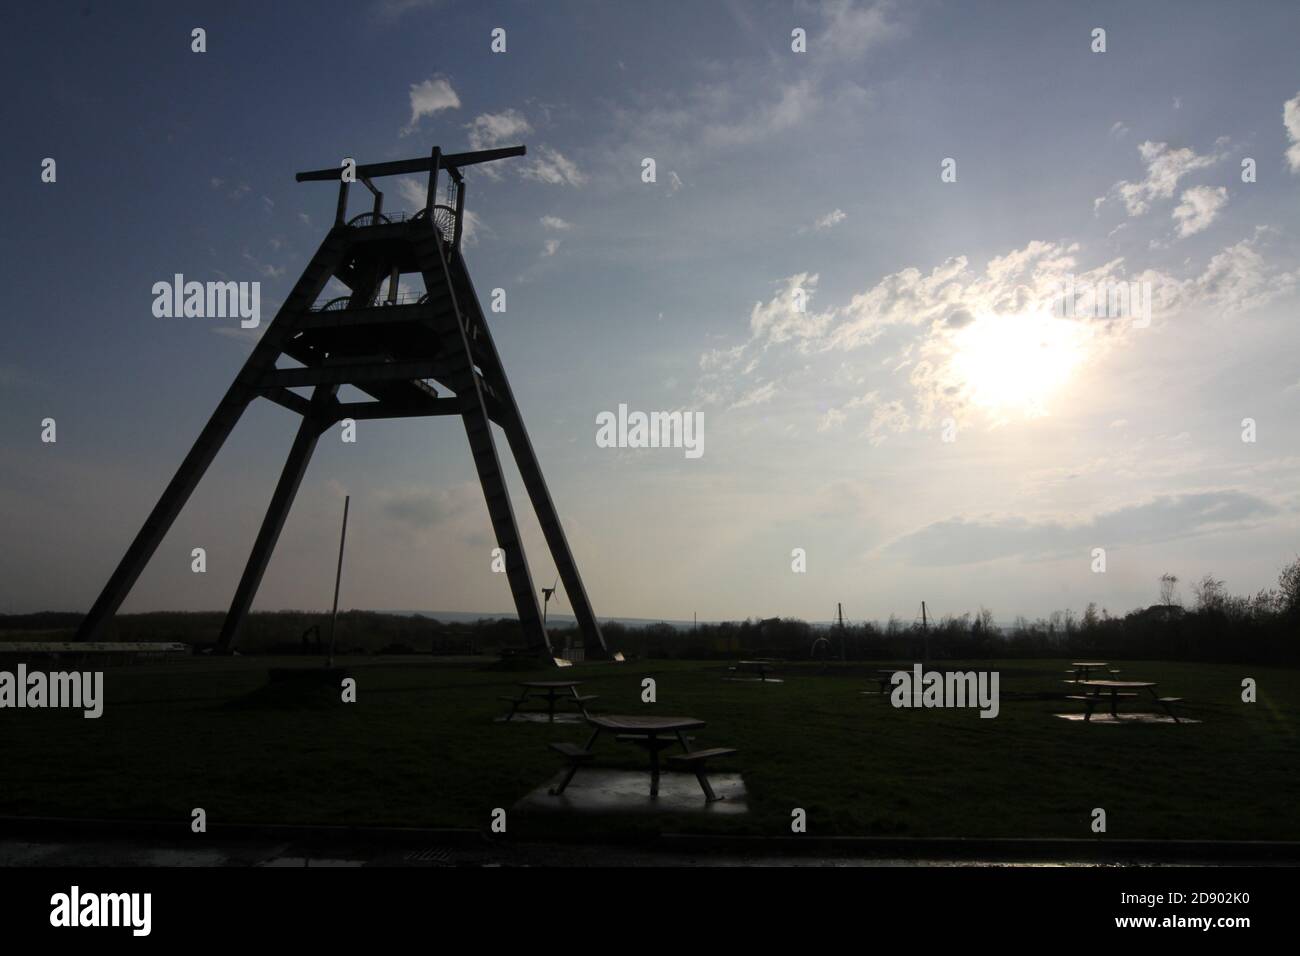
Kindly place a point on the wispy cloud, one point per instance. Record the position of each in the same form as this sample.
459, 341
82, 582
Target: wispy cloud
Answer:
1291, 120
962, 540
489, 130
390, 10
430, 98
1200, 206
828, 221
554, 168
1165, 167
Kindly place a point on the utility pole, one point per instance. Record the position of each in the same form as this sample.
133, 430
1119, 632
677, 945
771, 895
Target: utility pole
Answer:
925, 635
839, 615
338, 577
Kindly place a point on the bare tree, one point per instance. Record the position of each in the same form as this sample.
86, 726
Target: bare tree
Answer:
1288, 583
1168, 588
1210, 593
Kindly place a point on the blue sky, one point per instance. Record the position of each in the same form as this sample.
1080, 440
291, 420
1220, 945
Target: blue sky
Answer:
776, 171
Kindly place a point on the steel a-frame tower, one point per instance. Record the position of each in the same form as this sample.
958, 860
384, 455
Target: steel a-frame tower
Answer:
414, 355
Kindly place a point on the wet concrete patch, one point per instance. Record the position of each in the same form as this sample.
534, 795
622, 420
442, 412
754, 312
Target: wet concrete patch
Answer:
532, 717
601, 790
1131, 718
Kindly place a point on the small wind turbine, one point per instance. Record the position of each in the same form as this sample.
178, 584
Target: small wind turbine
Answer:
547, 594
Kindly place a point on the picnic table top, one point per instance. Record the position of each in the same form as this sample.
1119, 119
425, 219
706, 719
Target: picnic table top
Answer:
1089, 663
1117, 684
549, 684
636, 723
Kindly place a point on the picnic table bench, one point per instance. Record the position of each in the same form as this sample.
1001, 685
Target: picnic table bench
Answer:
762, 667
554, 692
654, 734
1122, 688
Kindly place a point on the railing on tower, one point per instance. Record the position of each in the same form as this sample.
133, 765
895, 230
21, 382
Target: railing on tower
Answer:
448, 217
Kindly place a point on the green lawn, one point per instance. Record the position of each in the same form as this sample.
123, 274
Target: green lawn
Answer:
420, 748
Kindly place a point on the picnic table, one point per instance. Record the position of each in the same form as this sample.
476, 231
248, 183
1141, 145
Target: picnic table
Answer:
885, 676
1123, 688
761, 666
554, 691
654, 734
1082, 670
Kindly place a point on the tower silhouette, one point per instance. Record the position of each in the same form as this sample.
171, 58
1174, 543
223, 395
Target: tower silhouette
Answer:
412, 354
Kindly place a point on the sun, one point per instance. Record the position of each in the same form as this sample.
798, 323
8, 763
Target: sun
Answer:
1016, 364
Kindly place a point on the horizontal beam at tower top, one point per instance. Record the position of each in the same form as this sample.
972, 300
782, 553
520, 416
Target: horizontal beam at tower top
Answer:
421, 164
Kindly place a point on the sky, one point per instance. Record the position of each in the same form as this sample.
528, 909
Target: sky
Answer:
850, 262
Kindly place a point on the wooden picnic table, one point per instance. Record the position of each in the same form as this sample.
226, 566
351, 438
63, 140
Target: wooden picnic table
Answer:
1118, 687
652, 733
762, 666
1083, 668
553, 691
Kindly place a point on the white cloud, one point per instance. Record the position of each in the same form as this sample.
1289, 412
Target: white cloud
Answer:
1291, 120
556, 223
1200, 206
1238, 279
891, 417
265, 270
412, 192
756, 396
493, 129
550, 247
429, 98
780, 319
833, 418
1165, 167
957, 329
828, 221
552, 167
852, 28
796, 102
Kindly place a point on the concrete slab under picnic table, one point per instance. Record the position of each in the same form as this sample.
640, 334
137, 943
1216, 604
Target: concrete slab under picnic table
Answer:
541, 717
607, 790
1128, 718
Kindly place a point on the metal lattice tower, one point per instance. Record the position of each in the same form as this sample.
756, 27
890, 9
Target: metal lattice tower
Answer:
430, 356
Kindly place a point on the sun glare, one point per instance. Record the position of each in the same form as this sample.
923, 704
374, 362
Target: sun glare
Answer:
1016, 364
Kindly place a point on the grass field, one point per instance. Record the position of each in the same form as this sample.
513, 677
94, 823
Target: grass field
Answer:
420, 748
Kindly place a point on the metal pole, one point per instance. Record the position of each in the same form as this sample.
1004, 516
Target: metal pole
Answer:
338, 576
925, 634
431, 195
460, 207
839, 612
341, 213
